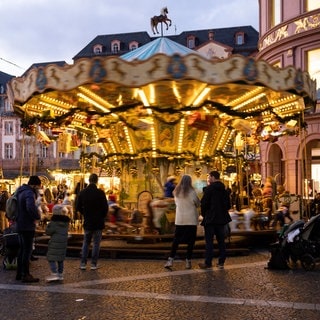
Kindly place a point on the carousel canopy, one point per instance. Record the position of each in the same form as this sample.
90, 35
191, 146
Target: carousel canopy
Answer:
162, 100
160, 45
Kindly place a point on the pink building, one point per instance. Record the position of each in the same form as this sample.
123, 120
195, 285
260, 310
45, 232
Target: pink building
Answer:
290, 35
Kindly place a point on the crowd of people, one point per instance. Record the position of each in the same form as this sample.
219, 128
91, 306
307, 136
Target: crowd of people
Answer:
56, 209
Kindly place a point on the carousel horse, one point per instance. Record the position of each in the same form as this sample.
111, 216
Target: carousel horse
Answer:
159, 19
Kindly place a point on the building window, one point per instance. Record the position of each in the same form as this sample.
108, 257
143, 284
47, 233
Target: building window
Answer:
8, 128
133, 45
97, 49
8, 151
239, 38
312, 5
191, 43
44, 152
115, 46
313, 57
276, 13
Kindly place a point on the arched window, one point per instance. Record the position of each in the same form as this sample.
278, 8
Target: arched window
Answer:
133, 45
115, 46
97, 49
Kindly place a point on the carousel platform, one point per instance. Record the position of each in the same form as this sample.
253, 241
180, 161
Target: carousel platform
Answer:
158, 246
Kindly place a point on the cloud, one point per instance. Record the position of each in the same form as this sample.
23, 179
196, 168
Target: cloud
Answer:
51, 30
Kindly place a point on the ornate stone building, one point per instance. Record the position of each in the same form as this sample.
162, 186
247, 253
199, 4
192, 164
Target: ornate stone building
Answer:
290, 36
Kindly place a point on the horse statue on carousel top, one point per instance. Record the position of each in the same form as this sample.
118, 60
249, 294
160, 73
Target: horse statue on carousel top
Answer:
162, 18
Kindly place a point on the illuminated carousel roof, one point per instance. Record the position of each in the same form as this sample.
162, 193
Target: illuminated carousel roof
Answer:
167, 105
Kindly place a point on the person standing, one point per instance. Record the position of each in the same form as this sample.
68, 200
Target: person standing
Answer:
186, 219
57, 229
169, 187
28, 214
215, 204
93, 206
4, 195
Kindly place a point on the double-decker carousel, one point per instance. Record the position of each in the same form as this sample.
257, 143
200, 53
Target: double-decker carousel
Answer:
163, 109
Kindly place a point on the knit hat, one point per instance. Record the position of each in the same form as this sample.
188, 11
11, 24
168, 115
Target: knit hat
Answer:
34, 181
59, 209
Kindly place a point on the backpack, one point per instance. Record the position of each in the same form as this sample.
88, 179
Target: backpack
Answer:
12, 207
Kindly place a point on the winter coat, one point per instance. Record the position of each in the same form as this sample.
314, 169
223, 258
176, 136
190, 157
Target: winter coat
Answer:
28, 211
168, 189
93, 205
186, 209
215, 204
57, 229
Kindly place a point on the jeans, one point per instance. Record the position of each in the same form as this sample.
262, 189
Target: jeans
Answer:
96, 235
53, 266
26, 239
209, 232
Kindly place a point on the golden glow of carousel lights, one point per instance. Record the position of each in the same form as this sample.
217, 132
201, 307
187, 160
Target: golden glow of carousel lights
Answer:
112, 145
143, 98
202, 145
245, 97
93, 102
56, 103
249, 101
97, 98
176, 92
126, 132
181, 133
152, 96
201, 96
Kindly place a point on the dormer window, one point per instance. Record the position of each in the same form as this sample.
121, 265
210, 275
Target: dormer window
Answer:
191, 42
239, 38
133, 45
97, 49
115, 46
211, 35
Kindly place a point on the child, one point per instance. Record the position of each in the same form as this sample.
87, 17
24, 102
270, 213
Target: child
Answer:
57, 229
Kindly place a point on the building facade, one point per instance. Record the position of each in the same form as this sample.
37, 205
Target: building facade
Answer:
290, 36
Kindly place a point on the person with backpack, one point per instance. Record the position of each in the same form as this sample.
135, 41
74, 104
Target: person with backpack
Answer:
25, 221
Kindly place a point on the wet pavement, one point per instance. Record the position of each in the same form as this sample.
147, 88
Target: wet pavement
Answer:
143, 289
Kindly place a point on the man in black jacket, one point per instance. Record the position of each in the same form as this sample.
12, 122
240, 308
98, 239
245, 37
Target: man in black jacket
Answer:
215, 204
93, 205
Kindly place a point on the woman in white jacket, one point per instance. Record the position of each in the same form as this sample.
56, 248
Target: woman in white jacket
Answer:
186, 220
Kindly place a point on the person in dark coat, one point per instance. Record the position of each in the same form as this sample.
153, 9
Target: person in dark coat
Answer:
169, 187
93, 206
57, 229
28, 214
215, 205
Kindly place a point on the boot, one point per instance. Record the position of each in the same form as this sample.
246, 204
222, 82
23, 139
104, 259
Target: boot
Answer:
188, 264
169, 263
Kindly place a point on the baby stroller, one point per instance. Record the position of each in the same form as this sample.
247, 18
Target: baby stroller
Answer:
10, 248
280, 250
304, 243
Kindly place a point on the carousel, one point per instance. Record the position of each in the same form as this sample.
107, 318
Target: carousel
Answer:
163, 110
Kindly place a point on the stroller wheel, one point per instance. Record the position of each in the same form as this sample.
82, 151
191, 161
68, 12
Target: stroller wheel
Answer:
308, 262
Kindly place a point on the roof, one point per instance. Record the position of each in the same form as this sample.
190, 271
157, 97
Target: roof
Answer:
225, 36
159, 45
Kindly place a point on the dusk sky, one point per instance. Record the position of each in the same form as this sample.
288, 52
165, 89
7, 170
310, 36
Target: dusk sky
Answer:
34, 31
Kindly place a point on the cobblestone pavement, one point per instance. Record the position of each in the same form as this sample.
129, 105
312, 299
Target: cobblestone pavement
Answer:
143, 289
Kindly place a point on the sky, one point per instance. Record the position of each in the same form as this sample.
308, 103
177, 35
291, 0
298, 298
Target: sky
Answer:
34, 31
